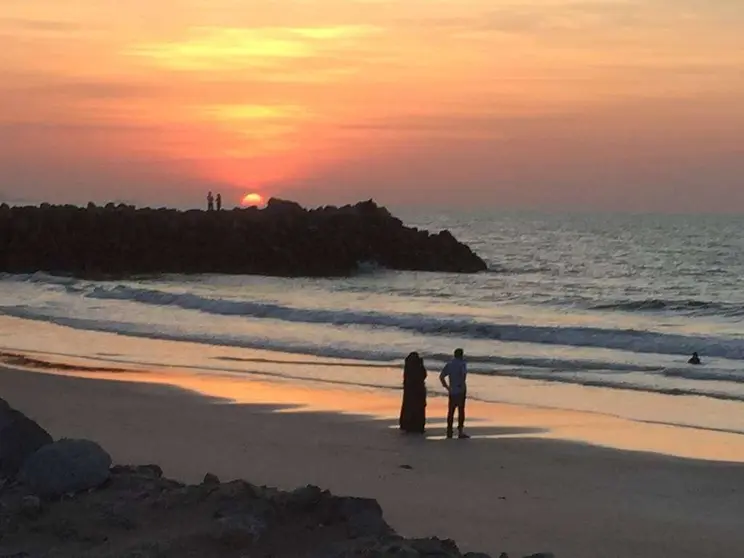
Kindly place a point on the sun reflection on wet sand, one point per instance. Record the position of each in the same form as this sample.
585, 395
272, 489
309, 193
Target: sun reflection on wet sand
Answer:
522, 421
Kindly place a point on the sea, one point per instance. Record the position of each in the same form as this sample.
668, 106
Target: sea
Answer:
614, 303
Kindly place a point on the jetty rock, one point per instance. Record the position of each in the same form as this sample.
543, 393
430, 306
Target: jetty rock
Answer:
282, 239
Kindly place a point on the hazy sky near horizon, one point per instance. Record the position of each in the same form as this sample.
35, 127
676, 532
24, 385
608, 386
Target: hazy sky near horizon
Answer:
610, 104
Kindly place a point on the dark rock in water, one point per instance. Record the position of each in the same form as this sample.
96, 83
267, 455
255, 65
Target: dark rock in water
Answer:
283, 239
66, 466
20, 437
541, 555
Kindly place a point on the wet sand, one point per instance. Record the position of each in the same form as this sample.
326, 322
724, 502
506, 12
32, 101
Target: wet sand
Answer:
515, 487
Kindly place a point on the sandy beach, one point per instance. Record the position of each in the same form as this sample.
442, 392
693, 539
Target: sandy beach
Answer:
515, 487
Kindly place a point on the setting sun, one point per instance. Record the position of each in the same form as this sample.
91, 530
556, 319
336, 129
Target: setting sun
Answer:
252, 199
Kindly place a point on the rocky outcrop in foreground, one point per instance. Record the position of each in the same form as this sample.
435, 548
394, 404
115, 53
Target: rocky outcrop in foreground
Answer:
282, 239
66, 501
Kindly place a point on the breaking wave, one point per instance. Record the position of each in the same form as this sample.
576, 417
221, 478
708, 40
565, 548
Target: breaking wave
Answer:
636, 341
701, 307
607, 375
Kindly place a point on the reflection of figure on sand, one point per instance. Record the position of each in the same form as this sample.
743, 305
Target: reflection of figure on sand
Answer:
694, 359
413, 410
456, 370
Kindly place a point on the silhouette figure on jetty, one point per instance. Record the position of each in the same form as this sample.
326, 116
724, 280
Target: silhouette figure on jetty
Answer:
694, 359
219, 202
210, 202
413, 410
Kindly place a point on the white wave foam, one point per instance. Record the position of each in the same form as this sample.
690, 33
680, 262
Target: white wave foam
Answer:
606, 375
464, 326
705, 374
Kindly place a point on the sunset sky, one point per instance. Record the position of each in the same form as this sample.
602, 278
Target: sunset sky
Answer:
631, 105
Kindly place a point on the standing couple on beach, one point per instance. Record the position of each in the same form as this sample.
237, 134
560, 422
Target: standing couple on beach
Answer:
413, 410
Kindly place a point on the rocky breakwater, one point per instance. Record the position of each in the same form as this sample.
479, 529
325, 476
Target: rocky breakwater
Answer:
63, 499
283, 239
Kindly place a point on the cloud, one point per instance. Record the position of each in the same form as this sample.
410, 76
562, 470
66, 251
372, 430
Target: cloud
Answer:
252, 112
58, 86
24, 25
651, 116
11, 129
589, 15
258, 129
433, 125
219, 48
55, 100
334, 33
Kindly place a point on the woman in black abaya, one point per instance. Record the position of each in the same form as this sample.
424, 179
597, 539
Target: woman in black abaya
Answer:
413, 411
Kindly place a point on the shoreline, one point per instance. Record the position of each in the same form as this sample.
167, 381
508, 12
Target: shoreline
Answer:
509, 488
606, 418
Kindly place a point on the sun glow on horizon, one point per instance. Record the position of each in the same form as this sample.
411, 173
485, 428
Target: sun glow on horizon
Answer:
252, 199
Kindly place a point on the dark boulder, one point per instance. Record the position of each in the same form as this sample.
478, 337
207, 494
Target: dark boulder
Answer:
211, 479
284, 208
20, 437
363, 517
64, 467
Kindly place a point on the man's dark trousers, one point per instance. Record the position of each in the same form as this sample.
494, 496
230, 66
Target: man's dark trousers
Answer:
456, 401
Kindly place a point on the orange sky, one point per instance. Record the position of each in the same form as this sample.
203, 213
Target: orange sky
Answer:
634, 105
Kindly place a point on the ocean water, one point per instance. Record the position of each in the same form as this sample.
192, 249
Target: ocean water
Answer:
617, 302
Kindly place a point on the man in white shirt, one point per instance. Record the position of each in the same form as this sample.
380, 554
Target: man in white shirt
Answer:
456, 370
